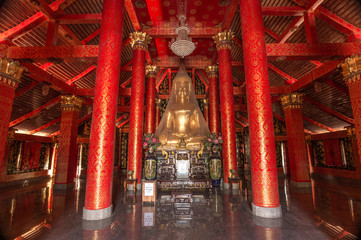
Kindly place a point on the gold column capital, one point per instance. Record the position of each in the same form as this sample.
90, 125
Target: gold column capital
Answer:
223, 40
140, 40
11, 134
292, 100
351, 132
351, 69
10, 72
151, 71
212, 71
71, 103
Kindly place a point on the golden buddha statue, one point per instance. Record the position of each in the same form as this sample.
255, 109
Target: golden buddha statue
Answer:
182, 118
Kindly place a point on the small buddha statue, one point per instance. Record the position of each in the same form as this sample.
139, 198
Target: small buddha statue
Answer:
182, 118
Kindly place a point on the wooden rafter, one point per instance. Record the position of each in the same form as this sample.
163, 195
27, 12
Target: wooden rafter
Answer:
329, 110
35, 112
45, 126
320, 125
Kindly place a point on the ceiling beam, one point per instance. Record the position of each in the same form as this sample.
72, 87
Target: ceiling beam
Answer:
310, 27
316, 73
39, 75
26, 88
241, 123
35, 112
231, 11
336, 22
91, 36
89, 18
320, 125
292, 51
289, 79
81, 75
291, 29
337, 86
283, 11
123, 123
170, 32
329, 110
30, 23
45, 126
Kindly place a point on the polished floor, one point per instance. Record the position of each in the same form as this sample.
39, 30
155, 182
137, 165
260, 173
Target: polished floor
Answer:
331, 209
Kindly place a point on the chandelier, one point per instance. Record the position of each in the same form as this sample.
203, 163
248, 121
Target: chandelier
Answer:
183, 45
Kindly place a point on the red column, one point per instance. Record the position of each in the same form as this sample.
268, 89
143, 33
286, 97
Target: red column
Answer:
140, 43
98, 193
223, 41
206, 111
151, 73
297, 150
213, 99
68, 147
351, 69
262, 141
158, 106
10, 74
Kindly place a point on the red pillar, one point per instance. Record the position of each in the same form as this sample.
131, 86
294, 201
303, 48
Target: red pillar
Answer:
223, 42
140, 43
206, 111
351, 69
297, 150
158, 106
98, 193
213, 98
68, 147
10, 74
151, 73
262, 141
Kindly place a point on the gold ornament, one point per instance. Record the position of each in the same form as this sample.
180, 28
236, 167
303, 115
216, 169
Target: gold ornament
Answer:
223, 40
10, 72
351, 69
292, 100
71, 103
140, 40
212, 71
151, 71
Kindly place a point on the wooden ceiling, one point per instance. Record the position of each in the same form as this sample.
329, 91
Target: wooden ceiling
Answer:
57, 40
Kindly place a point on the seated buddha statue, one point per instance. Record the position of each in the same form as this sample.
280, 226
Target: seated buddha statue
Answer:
182, 117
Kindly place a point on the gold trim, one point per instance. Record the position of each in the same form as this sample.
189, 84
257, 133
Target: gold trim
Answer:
212, 71
351, 69
351, 132
292, 100
223, 40
151, 71
10, 72
139, 40
205, 102
71, 103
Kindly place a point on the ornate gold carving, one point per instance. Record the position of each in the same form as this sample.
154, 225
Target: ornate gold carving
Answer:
140, 40
10, 72
212, 71
223, 40
158, 102
292, 100
151, 71
71, 103
351, 132
351, 69
11, 134
206, 102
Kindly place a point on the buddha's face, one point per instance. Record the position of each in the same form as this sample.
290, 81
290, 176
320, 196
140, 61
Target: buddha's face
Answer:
182, 92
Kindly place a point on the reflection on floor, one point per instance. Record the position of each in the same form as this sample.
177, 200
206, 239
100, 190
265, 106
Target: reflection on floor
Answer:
328, 210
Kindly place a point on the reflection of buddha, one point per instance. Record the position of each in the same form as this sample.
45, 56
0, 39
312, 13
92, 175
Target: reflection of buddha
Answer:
182, 116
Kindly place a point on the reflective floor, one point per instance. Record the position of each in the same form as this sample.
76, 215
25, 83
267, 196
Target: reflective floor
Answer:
328, 210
